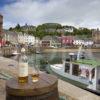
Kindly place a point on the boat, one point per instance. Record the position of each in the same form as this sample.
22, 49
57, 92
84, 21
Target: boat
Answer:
15, 53
38, 52
82, 71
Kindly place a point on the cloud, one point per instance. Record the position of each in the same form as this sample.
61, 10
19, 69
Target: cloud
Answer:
8, 24
83, 13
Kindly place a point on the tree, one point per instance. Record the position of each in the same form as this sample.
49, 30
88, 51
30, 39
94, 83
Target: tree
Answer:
31, 32
10, 29
82, 32
18, 28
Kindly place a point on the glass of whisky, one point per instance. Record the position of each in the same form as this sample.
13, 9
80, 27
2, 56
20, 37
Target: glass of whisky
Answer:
35, 74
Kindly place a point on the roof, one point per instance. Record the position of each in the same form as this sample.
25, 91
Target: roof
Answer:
67, 37
10, 32
91, 62
48, 37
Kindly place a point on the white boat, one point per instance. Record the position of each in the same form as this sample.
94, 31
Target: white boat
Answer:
80, 68
38, 52
15, 53
84, 71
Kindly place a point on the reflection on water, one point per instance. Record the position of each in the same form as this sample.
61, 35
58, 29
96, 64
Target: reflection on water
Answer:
50, 57
53, 57
97, 56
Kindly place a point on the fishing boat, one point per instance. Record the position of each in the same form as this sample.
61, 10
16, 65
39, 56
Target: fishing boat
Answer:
80, 70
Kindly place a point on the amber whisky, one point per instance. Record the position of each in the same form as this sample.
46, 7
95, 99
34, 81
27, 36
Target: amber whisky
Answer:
35, 77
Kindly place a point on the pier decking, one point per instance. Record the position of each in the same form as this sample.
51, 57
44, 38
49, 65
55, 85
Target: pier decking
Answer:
74, 93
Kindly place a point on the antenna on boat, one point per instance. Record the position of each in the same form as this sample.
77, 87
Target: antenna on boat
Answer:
79, 51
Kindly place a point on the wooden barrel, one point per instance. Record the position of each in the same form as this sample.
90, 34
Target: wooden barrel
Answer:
44, 89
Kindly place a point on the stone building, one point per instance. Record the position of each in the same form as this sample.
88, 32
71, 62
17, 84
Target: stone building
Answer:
10, 36
96, 36
1, 23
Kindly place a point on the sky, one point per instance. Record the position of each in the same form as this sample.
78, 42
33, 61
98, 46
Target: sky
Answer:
78, 13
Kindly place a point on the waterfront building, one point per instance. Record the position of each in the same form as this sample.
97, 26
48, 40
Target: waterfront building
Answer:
46, 41
10, 36
83, 42
18, 37
88, 43
24, 38
50, 41
96, 36
78, 42
66, 40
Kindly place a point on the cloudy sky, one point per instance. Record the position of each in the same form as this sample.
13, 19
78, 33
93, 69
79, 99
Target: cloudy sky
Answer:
80, 13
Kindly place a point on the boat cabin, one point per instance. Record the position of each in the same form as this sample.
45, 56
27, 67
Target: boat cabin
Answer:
85, 69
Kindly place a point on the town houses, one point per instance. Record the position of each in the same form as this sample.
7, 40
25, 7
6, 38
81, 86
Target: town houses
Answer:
24, 38
63, 40
66, 40
10, 36
96, 35
83, 42
75, 41
50, 41
18, 37
47, 41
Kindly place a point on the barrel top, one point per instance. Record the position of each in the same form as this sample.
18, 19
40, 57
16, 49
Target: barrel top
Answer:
46, 83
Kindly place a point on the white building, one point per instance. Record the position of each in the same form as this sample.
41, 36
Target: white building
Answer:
26, 39
78, 42
68, 29
23, 38
87, 43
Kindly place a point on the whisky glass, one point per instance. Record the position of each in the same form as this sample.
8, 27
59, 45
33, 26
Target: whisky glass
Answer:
35, 73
